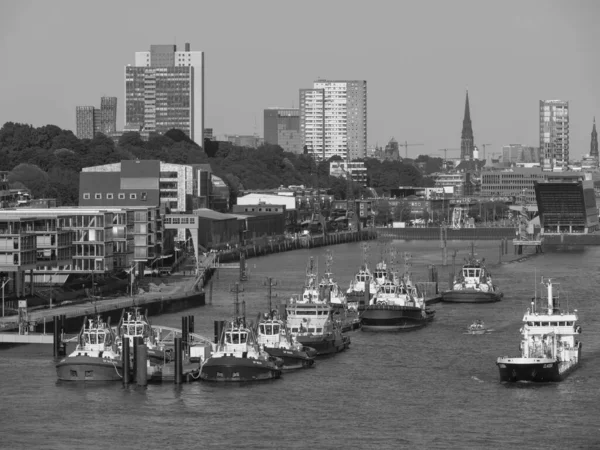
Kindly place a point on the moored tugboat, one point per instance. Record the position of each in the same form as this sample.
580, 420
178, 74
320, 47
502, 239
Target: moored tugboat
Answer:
95, 358
397, 306
309, 320
329, 288
361, 286
237, 356
550, 349
136, 324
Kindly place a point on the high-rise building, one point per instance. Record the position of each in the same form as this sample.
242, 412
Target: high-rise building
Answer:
165, 90
108, 115
467, 145
554, 134
282, 127
333, 119
84, 121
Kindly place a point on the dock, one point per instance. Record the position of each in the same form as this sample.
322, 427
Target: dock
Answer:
31, 338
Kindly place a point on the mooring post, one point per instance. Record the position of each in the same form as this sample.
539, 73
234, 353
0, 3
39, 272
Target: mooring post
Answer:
184, 332
56, 337
141, 373
500, 253
191, 324
178, 361
125, 362
137, 341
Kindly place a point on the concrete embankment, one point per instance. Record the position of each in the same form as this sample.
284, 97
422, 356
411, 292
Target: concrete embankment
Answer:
433, 233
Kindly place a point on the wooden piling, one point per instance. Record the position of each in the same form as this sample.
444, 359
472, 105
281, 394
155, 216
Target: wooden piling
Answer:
141, 373
178, 361
125, 361
56, 337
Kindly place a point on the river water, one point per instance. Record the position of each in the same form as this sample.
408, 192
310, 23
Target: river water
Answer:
435, 388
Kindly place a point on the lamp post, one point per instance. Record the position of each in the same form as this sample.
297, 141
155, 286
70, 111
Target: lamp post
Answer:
4, 281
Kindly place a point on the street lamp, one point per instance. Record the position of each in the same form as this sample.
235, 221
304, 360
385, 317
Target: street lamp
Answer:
4, 281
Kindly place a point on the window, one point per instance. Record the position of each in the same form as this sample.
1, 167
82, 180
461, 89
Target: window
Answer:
144, 196
132, 196
86, 195
109, 196
121, 196
98, 196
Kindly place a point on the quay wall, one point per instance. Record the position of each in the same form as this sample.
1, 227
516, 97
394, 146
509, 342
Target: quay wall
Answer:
433, 233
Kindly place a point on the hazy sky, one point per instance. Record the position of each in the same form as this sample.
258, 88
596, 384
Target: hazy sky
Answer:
417, 57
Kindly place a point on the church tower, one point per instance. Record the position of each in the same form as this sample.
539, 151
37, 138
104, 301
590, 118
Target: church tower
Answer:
466, 139
594, 143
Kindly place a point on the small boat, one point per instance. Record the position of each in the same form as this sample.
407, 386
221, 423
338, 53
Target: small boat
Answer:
473, 284
275, 339
477, 327
135, 324
237, 357
397, 306
550, 348
96, 357
309, 319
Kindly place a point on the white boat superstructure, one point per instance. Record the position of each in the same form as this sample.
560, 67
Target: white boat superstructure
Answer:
96, 340
330, 289
474, 277
359, 282
272, 333
239, 341
380, 274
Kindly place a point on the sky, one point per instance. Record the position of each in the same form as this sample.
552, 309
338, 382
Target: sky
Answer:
418, 58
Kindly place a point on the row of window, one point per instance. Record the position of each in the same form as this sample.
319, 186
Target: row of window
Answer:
121, 196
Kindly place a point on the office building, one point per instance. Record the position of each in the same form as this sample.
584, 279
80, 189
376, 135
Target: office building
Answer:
554, 134
282, 127
333, 119
165, 90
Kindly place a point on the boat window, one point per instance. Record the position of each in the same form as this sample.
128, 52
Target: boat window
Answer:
544, 324
243, 338
311, 330
570, 323
561, 324
131, 329
140, 329
92, 338
275, 329
228, 338
124, 329
319, 330
294, 330
86, 338
101, 339
262, 329
530, 323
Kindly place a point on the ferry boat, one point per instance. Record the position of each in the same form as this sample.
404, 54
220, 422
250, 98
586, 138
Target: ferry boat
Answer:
397, 306
96, 357
237, 357
473, 284
550, 348
309, 320
136, 324
275, 339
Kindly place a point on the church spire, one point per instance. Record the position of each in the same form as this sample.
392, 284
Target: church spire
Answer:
466, 141
594, 143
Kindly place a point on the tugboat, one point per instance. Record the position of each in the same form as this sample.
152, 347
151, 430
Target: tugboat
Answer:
397, 306
275, 339
309, 319
237, 356
380, 274
95, 358
136, 324
363, 280
549, 346
473, 284
328, 287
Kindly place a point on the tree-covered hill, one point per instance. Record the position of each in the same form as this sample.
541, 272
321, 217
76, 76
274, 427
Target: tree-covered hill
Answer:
47, 160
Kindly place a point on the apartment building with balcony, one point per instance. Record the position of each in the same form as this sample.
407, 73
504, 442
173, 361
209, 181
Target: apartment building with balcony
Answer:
554, 134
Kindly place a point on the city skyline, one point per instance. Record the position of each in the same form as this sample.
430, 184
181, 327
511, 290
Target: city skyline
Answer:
417, 64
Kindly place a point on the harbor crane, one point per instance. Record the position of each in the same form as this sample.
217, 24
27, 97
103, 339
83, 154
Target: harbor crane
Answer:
406, 145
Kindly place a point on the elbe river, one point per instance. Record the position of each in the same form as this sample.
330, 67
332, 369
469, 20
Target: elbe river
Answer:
435, 388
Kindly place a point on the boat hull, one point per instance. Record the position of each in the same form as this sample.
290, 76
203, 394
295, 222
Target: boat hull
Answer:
538, 370
470, 296
293, 359
325, 345
394, 318
233, 369
87, 368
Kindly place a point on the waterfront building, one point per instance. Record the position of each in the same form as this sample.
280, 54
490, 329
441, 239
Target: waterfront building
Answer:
355, 169
554, 134
462, 183
282, 127
333, 119
164, 89
467, 145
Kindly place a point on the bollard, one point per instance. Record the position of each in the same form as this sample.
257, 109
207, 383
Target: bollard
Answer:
178, 361
141, 374
56, 337
125, 362
191, 324
367, 291
137, 341
63, 319
184, 332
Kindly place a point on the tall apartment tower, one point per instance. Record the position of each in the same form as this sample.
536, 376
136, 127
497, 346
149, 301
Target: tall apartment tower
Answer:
333, 119
84, 122
282, 127
554, 134
90, 120
108, 115
594, 142
467, 145
165, 90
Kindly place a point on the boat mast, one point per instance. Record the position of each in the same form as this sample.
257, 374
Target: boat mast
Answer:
270, 283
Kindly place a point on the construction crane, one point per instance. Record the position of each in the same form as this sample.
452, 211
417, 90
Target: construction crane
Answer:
406, 145
484, 146
446, 150
494, 154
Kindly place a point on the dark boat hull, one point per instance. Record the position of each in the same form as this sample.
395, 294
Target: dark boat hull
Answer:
86, 368
539, 371
232, 369
466, 296
325, 345
294, 359
394, 318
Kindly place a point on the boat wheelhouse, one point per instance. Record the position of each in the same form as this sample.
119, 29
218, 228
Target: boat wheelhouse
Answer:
134, 324
277, 341
473, 284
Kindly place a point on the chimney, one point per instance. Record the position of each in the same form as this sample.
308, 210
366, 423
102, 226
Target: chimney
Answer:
187, 46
